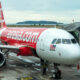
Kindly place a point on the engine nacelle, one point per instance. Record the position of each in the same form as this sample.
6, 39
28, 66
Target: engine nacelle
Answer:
2, 59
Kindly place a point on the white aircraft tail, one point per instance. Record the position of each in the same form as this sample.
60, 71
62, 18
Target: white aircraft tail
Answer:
2, 21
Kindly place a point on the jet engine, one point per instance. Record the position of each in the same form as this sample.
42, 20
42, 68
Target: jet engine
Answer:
2, 60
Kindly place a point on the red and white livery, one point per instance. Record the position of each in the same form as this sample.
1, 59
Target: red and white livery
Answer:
49, 44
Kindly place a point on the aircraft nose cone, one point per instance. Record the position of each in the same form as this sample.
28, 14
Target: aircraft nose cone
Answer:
75, 54
71, 54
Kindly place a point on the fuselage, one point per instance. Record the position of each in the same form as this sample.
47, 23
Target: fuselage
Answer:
21, 36
51, 44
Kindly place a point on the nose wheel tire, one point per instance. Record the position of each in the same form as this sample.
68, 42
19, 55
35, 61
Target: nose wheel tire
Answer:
57, 75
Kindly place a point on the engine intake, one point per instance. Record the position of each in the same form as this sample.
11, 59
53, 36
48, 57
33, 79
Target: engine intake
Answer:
2, 59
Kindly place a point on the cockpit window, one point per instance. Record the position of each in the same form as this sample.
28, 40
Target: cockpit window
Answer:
58, 41
73, 41
66, 41
54, 41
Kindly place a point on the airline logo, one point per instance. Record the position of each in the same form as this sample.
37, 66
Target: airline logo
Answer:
23, 36
52, 47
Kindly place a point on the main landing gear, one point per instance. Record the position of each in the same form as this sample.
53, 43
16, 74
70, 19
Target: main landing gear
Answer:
56, 73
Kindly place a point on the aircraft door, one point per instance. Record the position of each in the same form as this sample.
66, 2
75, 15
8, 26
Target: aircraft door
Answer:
42, 41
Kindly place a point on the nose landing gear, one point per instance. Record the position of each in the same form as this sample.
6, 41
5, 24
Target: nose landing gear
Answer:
57, 72
44, 66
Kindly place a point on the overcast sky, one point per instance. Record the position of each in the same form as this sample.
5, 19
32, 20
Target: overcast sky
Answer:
53, 10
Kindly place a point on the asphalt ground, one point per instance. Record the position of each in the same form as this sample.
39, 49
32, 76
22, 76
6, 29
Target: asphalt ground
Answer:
29, 68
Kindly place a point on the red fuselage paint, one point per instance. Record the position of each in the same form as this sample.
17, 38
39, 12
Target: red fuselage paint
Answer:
22, 36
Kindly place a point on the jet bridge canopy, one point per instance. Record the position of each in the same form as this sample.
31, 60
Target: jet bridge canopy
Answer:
74, 29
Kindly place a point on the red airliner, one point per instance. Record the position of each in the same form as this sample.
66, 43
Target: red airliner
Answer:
49, 44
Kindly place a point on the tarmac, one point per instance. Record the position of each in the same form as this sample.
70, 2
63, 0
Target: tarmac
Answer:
28, 68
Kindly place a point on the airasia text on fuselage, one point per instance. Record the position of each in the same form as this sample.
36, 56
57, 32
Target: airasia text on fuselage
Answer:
24, 36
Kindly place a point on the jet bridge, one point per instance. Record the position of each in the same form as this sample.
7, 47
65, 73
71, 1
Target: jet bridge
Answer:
74, 29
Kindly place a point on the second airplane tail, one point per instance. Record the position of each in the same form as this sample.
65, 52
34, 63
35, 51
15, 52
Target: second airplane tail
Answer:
2, 21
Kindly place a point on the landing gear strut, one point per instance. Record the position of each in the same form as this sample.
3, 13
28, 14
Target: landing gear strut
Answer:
44, 66
57, 72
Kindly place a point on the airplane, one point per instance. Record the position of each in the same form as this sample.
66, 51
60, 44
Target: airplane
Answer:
49, 44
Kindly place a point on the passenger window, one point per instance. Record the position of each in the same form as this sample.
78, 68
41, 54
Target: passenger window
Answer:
54, 41
58, 41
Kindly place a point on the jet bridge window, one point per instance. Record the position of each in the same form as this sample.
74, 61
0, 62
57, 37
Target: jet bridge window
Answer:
66, 41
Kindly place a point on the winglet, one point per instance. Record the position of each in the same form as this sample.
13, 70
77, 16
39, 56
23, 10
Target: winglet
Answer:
2, 21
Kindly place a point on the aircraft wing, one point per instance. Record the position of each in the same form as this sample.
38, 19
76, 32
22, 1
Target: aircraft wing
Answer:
17, 49
13, 47
8, 47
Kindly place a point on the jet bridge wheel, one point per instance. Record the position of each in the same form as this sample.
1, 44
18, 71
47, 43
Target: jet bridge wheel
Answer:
57, 72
